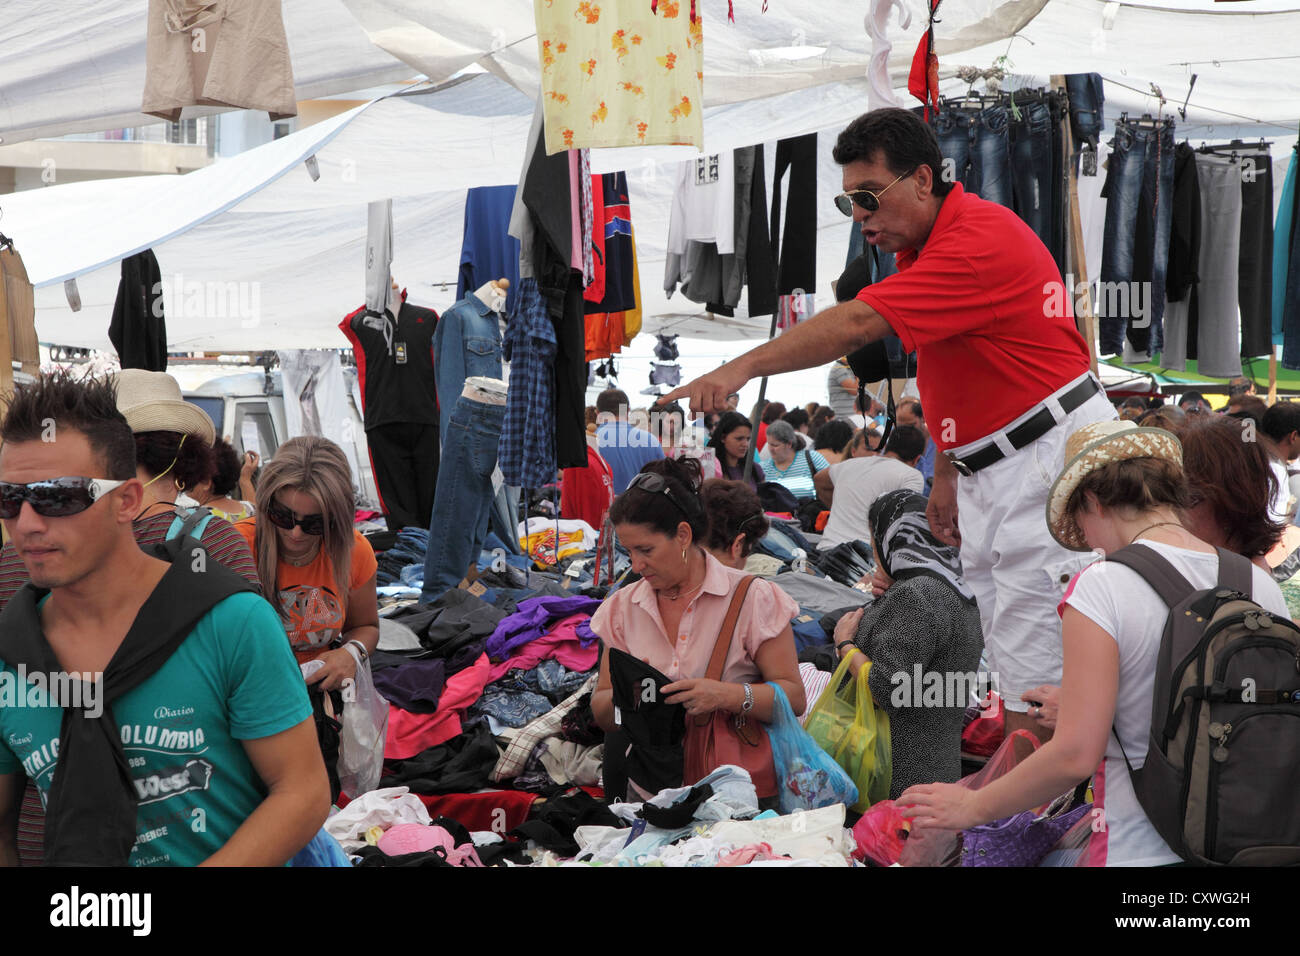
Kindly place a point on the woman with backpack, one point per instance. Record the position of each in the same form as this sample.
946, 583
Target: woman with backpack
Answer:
1121, 484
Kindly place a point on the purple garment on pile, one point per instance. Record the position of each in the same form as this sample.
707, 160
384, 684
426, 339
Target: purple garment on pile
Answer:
534, 618
416, 686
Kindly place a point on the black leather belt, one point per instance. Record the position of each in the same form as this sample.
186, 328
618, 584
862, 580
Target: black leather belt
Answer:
1030, 430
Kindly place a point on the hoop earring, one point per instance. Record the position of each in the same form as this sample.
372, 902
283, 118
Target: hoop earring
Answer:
684, 561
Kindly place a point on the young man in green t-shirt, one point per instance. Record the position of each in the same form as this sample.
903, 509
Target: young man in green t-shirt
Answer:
194, 748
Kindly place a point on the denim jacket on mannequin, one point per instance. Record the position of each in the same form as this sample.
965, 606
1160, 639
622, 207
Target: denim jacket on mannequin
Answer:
467, 343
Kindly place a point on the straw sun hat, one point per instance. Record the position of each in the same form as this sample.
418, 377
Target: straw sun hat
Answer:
152, 402
1092, 447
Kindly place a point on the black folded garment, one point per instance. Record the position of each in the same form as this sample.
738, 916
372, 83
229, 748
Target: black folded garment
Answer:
846, 563
554, 820
461, 765
680, 813
457, 618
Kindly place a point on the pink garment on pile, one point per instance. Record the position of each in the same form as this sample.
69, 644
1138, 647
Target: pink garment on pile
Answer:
410, 734
748, 854
415, 838
560, 643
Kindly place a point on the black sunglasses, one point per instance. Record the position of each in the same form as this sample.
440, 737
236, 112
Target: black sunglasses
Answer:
282, 517
655, 484
868, 200
54, 497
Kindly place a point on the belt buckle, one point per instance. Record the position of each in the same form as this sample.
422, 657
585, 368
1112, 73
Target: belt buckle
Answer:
961, 466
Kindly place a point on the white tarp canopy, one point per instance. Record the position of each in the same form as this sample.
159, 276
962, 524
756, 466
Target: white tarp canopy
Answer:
76, 66
257, 255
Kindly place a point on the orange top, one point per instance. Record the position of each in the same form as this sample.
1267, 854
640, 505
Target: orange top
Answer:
314, 613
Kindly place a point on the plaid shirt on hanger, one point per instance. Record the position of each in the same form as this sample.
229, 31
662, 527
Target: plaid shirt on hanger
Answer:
527, 448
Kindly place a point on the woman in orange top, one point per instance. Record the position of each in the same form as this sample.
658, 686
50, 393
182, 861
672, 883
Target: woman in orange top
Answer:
315, 568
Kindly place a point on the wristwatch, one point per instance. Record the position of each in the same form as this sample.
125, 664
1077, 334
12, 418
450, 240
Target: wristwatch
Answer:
840, 646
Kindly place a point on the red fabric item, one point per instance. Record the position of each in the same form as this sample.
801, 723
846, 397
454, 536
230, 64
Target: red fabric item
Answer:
762, 435
559, 643
978, 304
880, 834
497, 811
410, 734
596, 291
587, 493
984, 735
923, 81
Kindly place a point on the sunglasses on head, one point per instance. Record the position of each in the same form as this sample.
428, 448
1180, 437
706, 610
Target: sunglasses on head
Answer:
655, 484
282, 517
54, 497
868, 200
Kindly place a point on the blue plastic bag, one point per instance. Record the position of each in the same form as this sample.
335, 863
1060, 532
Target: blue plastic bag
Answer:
323, 850
807, 777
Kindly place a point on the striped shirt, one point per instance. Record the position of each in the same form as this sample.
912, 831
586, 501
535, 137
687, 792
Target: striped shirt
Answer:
224, 545
798, 478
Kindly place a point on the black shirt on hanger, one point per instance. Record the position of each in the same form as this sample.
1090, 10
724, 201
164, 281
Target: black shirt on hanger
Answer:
395, 364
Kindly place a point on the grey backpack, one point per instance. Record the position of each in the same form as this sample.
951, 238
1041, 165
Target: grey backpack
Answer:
1221, 782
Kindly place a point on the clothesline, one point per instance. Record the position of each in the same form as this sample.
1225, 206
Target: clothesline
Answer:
1249, 119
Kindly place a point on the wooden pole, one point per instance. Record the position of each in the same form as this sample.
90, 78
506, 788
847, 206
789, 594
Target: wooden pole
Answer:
1085, 320
1272, 376
6, 347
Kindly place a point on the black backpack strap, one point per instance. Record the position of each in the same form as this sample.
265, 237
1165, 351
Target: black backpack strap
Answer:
1156, 570
1236, 573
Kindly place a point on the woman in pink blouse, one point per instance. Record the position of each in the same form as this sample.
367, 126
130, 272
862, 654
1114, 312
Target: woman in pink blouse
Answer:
671, 618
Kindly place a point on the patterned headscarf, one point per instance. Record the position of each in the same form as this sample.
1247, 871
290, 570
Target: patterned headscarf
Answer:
906, 544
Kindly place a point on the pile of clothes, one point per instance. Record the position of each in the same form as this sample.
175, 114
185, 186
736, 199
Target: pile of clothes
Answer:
490, 727
715, 823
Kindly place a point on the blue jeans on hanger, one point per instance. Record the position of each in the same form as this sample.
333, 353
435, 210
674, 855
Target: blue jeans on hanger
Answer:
1031, 150
464, 498
1135, 255
975, 149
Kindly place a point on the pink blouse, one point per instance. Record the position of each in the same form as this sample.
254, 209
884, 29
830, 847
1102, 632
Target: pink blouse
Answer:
629, 620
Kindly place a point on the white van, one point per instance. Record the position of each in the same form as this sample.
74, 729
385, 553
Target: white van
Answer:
252, 403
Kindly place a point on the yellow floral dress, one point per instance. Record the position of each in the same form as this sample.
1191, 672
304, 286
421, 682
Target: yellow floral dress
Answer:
618, 74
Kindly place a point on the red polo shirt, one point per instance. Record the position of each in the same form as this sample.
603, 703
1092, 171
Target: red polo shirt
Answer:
984, 307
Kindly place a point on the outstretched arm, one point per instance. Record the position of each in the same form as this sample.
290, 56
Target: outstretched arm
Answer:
825, 337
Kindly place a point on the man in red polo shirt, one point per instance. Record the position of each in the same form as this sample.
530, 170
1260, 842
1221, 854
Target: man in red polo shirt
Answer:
1003, 374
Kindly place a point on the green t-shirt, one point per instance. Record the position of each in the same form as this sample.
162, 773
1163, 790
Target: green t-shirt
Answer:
234, 678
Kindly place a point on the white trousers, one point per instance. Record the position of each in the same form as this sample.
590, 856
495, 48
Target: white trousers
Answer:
1011, 562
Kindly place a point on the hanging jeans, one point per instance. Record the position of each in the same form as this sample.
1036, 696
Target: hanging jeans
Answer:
976, 151
1031, 151
1058, 111
464, 498
1087, 103
1139, 191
